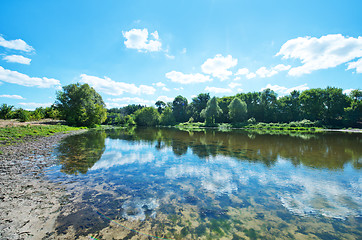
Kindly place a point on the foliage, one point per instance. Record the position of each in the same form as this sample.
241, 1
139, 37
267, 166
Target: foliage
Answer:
81, 105
237, 110
167, 118
6, 111
179, 109
147, 116
23, 115
211, 111
197, 105
160, 106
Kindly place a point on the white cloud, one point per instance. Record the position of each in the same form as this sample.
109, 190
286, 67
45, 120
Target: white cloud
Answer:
217, 90
348, 91
165, 99
108, 86
187, 78
33, 105
284, 90
234, 85
165, 89
169, 56
263, 72
184, 51
250, 75
282, 67
357, 65
178, 89
237, 78
17, 44
11, 96
135, 100
219, 65
24, 80
242, 71
17, 59
138, 39
321, 53
159, 84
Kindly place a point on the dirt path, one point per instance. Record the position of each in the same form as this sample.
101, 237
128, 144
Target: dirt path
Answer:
29, 204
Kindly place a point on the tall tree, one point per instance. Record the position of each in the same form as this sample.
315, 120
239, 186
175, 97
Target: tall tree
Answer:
81, 105
179, 108
268, 101
197, 105
160, 106
312, 104
237, 110
211, 111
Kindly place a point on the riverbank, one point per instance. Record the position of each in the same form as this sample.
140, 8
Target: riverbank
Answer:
263, 127
29, 204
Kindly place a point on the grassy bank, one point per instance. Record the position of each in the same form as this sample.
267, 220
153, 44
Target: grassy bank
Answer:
260, 127
11, 135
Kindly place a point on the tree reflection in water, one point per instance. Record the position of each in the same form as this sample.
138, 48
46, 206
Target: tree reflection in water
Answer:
322, 150
78, 153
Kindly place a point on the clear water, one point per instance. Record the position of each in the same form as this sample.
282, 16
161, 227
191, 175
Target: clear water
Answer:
150, 183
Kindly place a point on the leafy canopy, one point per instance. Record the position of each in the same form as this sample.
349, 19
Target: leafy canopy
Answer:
81, 105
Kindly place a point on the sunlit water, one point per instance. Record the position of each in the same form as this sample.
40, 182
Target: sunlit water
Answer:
162, 183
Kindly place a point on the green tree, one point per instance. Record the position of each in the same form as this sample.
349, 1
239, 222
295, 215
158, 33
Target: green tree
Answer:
6, 111
179, 109
160, 106
312, 104
211, 111
147, 116
197, 105
268, 102
81, 105
237, 110
335, 101
167, 118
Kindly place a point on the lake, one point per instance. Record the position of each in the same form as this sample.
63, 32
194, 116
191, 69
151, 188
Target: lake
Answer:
147, 183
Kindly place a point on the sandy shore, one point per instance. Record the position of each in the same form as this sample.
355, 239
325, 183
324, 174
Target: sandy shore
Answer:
29, 204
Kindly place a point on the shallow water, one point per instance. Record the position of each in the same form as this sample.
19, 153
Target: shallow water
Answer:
161, 183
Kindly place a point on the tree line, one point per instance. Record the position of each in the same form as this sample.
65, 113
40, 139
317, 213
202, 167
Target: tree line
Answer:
329, 107
80, 105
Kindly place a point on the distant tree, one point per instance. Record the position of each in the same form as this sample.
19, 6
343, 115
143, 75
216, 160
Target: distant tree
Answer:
81, 105
334, 102
197, 105
179, 109
167, 118
160, 106
268, 103
147, 116
312, 104
131, 108
6, 111
237, 110
211, 111
353, 113
224, 103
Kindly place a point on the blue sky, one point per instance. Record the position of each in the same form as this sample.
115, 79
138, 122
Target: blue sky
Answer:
142, 51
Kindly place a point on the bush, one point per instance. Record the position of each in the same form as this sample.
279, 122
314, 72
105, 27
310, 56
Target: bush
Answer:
6, 111
147, 116
23, 115
251, 120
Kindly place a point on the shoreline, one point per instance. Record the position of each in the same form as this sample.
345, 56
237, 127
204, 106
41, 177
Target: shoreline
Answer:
29, 203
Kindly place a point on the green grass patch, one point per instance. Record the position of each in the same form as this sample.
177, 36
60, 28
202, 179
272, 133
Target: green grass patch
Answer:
11, 135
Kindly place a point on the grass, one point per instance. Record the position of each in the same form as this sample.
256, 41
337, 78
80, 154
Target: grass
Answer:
293, 127
11, 135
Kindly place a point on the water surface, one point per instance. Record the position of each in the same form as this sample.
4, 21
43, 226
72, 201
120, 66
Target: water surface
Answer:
162, 183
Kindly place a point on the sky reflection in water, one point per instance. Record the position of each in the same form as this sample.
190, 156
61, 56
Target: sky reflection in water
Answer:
150, 169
